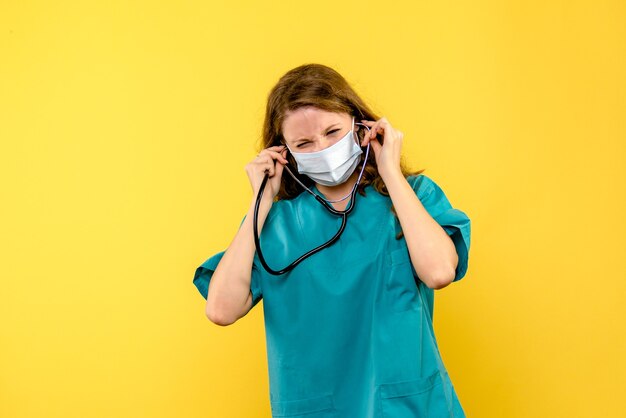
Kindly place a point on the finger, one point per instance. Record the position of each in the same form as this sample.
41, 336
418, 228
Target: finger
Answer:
271, 156
385, 126
382, 123
274, 155
269, 168
279, 170
263, 159
375, 130
376, 146
373, 122
276, 147
372, 129
263, 164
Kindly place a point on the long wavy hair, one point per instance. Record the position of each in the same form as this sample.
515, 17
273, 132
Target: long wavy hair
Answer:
322, 87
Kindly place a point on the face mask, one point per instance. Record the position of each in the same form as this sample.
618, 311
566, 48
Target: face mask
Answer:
333, 165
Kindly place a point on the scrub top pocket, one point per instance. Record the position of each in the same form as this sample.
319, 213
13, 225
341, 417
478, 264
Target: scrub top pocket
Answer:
400, 283
317, 407
424, 398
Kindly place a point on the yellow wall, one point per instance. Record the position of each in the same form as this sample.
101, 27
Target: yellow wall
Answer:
125, 127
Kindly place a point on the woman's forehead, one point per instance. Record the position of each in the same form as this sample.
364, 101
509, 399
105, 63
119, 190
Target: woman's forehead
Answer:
309, 121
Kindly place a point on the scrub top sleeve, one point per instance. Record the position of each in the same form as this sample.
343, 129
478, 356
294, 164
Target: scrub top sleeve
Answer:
455, 222
205, 271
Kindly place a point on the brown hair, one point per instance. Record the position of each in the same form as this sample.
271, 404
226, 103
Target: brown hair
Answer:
322, 87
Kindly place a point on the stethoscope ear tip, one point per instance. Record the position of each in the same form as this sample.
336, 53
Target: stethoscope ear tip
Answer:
362, 124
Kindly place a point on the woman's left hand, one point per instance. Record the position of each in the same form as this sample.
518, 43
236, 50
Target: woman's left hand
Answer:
387, 154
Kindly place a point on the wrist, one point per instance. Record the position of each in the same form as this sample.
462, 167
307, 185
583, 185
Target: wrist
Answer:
266, 202
391, 175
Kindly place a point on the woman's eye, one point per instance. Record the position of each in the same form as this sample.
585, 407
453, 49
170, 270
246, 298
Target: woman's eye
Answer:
304, 144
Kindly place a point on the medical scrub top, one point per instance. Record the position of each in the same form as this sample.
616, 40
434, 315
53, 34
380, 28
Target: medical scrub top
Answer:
349, 331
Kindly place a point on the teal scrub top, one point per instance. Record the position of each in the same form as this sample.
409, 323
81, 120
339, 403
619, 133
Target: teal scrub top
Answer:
349, 331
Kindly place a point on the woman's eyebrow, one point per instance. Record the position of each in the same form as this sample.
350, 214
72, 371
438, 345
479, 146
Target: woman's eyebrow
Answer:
327, 129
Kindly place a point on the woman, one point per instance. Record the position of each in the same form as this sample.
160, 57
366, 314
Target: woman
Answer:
349, 329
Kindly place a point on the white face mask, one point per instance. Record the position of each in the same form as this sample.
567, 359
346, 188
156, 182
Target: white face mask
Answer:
333, 165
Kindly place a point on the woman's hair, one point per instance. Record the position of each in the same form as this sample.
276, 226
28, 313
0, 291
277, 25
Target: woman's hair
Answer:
321, 87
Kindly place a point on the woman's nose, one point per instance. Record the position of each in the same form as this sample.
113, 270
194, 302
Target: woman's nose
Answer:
323, 143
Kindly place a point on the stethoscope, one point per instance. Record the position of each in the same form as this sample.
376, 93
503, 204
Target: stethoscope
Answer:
324, 202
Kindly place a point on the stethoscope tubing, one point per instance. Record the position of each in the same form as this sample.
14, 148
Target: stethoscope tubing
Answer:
328, 206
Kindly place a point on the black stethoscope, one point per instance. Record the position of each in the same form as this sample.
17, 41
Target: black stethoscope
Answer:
325, 203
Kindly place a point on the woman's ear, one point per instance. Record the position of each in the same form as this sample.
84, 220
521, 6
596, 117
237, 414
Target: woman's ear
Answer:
360, 133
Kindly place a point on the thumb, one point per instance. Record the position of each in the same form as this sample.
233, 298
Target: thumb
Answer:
279, 165
376, 146
278, 169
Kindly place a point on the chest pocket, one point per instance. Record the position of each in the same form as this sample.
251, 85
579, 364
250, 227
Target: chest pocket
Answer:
415, 398
317, 407
401, 284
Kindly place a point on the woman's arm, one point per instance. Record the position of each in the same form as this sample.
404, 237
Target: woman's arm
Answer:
431, 249
229, 296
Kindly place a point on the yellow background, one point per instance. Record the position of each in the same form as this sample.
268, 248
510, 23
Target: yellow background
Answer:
125, 127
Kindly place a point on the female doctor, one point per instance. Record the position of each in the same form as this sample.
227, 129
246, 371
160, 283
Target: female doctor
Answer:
349, 329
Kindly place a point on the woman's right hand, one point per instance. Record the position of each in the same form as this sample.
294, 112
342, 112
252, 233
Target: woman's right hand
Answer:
273, 160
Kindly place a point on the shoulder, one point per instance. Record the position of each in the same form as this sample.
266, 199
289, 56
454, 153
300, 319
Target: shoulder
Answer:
422, 185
